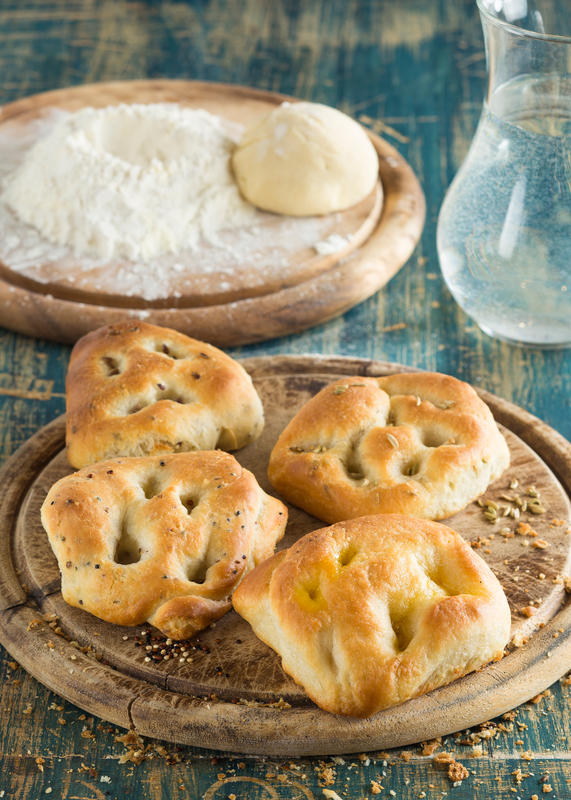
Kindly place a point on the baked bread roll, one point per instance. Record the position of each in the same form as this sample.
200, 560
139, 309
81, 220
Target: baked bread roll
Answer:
135, 389
163, 539
373, 611
413, 443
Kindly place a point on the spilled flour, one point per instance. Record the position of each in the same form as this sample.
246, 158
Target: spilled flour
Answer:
230, 247
129, 181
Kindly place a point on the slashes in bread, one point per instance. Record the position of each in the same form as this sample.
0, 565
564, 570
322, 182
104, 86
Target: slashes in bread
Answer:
370, 612
414, 443
163, 539
135, 389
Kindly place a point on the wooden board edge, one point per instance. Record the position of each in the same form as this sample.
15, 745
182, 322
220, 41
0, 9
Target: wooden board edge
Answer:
309, 731
64, 669
22, 105
25, 461
158, 713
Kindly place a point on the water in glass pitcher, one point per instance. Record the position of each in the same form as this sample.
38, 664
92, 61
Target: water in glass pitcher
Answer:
504, 233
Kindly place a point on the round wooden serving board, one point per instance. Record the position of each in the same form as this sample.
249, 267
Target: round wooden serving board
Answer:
263, 280
232, 694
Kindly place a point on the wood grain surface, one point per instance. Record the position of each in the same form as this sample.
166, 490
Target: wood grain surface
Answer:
414, 73
263, 286
202, 701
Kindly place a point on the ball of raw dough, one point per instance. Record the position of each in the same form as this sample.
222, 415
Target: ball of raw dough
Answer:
305, 158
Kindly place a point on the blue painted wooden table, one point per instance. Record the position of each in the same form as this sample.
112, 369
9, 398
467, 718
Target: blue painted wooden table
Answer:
413, 71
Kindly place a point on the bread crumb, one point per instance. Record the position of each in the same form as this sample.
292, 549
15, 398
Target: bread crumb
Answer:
547, 788
326, 775
429, 747
541, 544
528, 611
519, 639
443, 758
518, 775
376, 787
524, 529
539, 697
457, 772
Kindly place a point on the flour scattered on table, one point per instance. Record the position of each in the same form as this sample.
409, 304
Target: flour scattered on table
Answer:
129, 181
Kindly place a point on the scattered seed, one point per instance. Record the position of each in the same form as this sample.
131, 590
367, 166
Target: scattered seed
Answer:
536, 509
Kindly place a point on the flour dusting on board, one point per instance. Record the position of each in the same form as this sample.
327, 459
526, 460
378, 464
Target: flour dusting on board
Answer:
228, 241
129, 181
333, 244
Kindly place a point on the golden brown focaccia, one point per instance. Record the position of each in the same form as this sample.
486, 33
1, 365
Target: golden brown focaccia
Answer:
135, 389
376, 610
413, 443
163, 539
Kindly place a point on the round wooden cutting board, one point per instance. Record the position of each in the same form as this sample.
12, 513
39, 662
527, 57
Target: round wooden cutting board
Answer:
263, 280
229, 691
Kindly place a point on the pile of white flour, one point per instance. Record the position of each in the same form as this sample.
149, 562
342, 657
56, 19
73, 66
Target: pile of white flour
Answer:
129, 181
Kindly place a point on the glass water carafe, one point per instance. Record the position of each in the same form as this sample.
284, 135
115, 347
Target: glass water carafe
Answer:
504, 231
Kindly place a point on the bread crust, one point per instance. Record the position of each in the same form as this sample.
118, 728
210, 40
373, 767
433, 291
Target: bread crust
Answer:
136, 389
422, 444
373, 611
163, 539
